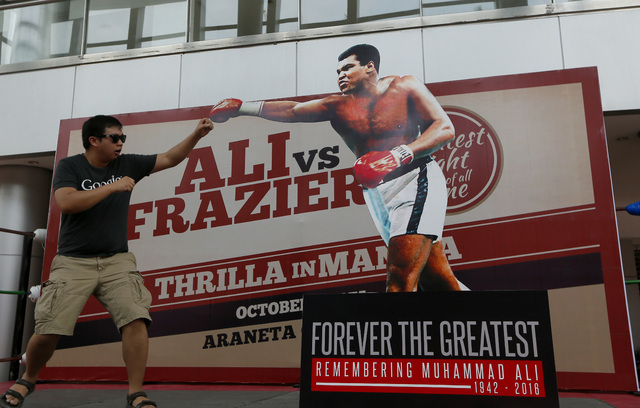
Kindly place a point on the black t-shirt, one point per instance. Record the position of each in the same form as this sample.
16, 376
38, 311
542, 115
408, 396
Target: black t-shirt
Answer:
102, 229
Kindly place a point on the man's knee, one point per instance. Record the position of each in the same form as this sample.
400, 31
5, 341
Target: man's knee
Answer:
135, 325
45, 340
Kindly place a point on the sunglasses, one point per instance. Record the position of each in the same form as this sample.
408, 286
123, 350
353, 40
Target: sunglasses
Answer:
115, 138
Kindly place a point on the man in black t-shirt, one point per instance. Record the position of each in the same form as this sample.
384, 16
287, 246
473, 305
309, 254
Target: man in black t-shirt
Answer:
93, 191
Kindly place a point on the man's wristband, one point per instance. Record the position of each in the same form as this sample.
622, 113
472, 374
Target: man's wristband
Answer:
403, 154
251, 108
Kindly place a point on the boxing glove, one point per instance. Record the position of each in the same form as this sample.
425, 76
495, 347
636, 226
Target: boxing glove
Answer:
373, 167
230, 108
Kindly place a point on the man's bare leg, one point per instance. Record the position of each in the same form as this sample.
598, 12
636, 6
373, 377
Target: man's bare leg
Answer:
39, 350
437, 274
406, 258
135, 350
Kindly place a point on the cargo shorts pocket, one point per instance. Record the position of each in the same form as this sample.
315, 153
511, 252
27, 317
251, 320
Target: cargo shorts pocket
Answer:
140, 293
48, 306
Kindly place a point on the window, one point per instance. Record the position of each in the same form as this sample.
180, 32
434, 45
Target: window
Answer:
33, 30
41, 31
436, 7
122, 25
340, 12
215, 19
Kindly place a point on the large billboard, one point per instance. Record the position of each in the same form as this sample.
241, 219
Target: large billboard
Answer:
262, 213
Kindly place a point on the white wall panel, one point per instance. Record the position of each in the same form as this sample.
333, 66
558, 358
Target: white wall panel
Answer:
140, 85
489, 49
252, 73
31, 106
400, 54
33, 103
609, 41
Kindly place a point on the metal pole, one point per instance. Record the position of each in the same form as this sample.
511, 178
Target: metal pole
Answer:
26, 234
189, 34
18, 331
85, 29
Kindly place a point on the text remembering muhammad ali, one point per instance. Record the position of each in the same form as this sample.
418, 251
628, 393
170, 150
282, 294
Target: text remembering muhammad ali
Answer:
443, 348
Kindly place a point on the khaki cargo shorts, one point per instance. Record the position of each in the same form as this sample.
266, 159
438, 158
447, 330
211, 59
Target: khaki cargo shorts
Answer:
113, 280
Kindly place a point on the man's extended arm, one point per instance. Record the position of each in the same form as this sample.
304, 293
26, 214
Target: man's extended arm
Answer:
179, 152
71, 201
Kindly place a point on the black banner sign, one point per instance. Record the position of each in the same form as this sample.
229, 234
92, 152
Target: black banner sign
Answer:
471, 349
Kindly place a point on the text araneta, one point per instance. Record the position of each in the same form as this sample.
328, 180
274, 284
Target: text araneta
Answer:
249, 336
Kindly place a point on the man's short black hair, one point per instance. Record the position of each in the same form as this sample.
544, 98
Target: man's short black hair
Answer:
363, 53
95, 126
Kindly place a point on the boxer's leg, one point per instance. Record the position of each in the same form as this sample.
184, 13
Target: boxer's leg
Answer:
406, 258
437, 274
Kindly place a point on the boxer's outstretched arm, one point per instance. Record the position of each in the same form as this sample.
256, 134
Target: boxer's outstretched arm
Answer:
281, 111
316, 110
441, 131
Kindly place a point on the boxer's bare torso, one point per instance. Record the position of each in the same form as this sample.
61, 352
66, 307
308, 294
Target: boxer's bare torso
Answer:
376, 121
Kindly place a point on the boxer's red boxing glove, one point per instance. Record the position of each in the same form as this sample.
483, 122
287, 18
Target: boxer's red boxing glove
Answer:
230, 108
372, 168
225, 109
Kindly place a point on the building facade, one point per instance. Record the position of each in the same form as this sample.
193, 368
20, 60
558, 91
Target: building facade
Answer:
74, 59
